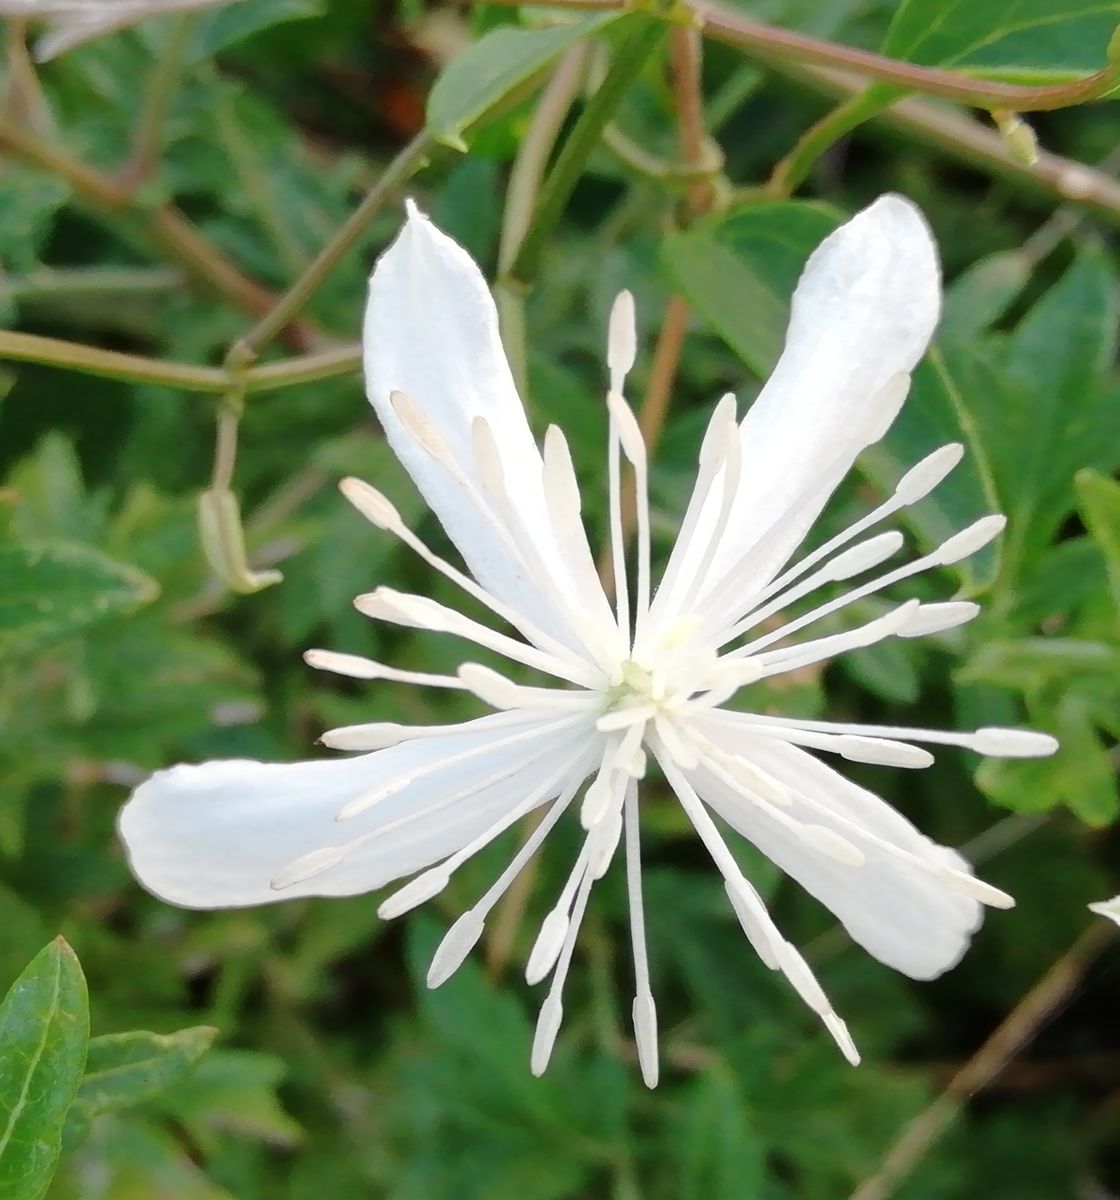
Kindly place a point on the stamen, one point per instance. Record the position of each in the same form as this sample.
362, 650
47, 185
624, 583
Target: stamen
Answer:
432, 881
622, 340
792, 658
497, 690
381, 735
420, 612
722, 431
577, 609
994, 741
564, 505
787, 958
915, 485
552, 1011
955, 548
381, 513
392, 787
432, 442
643, 1010
463, 935
938, 618
353, 666
634, 447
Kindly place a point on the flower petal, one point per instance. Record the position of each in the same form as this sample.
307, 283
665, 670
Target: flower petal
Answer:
219, 834
863, 313
431, 332
1107, 908
899, 912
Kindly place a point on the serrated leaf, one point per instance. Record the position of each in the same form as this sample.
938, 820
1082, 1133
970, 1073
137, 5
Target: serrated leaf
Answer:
44, 1032
495, 69
1100, 507
755, 256
55, 589
124, 1069
1025, 41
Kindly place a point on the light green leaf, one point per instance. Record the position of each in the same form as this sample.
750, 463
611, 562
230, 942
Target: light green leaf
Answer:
44, 1031
1100, 506
1027, 664
54, 589
232, 1091
739, 273
124, 1069
1026, 41
716, 1151
495, 69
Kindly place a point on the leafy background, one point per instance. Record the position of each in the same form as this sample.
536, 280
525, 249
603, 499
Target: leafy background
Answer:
293, 1051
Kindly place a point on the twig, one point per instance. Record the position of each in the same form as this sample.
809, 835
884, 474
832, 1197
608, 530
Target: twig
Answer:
164, 79
279, 313
1020, 1026
964, 139
165, 224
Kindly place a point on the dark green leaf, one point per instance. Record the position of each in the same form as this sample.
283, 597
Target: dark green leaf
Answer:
1100, 506
44, 1031
1024, 41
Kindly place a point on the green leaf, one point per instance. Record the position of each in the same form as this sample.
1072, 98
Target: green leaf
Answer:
1053, 408
232, 1091
1025, 664
1025, 41
495, 69
755, 256
124, 1069
234, 23
716, 1151
44, 1032
1100, 506
54, 589
980, 295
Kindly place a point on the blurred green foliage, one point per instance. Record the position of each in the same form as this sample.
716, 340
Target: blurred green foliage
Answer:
296, 1052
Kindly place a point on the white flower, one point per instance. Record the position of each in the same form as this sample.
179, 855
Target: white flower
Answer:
625, 692
1107, 908
74, 22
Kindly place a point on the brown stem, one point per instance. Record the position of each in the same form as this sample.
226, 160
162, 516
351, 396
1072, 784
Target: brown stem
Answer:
966, 140
770, 43
165, 224
1016, 1031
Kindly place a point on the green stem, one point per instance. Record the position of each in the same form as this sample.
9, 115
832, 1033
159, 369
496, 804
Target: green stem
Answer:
791, 171
646, 33
109, 364
162, 83
965, 140
212, 381
280, 313
521, 196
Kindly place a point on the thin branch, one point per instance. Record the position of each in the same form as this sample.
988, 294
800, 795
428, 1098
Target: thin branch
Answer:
165, 225
213, 381
1017, 1030
162, 83
966, 140
279, 313
770, 43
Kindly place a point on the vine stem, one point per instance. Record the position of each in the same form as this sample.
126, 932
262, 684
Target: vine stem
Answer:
213, 381
770, 43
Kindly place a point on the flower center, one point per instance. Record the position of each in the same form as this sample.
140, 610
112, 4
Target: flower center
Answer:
637, 686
